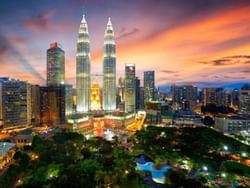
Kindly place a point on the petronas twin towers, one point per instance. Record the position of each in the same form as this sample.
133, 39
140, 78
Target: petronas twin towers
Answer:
83, 67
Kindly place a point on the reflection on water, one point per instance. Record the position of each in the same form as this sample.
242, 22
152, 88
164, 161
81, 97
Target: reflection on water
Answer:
158, 175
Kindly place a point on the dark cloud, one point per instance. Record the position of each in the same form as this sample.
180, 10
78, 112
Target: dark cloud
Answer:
19, 57
181, 12
245, 71
216, 77
3, 48
125, 33
235, 77
168, 79
240, 71
168, 71
218, 62
229, 60
238, 56
231, 43
39, 21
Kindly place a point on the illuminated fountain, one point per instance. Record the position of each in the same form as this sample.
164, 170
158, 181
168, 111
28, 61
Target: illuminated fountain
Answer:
108, 135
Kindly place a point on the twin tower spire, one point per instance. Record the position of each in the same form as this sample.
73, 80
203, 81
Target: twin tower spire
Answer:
83, 67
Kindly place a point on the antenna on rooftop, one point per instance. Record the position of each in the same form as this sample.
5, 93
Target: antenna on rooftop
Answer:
83, 7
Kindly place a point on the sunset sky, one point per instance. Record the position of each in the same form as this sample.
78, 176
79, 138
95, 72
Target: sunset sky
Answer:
202, 42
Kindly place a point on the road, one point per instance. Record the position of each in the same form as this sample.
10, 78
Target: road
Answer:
137, 125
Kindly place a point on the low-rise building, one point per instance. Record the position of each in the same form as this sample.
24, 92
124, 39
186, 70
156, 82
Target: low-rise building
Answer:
7, 151
232, 124
187, 117
24, 138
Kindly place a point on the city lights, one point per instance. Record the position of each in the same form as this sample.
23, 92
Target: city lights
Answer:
124, 93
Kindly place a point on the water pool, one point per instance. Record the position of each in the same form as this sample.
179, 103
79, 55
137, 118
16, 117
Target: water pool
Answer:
158, 175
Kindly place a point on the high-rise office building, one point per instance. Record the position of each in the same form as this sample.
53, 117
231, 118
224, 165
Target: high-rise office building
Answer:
53, 105
220, 97
244, 101
208, 96
68, 99
142, 97
217, 96
137, 93
83, 68
121, 87
130, 88
149, 86
185, 96
235, 98
109, 69
55, 65
15, 103
35, 105
120, 94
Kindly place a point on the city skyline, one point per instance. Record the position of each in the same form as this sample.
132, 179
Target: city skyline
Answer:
214, 50
115, 93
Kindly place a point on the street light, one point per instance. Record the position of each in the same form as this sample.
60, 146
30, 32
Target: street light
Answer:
244, 154
223, 175
205, 168
225, 148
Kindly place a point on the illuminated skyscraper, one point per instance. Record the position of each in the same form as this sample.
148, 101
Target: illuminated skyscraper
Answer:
216, 96
83, 68
35, 104
15, 103
244, 99
137, 93
55, 65
52, 101
68, 99
130, 88
121, 83
149, 86
109, 69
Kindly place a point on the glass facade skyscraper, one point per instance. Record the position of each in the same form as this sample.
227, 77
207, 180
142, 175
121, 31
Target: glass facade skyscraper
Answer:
68, 99
130, 88
83, 68
244, 101
55, 65
137, 93
15, 103
53, 105
149, 86
109, 69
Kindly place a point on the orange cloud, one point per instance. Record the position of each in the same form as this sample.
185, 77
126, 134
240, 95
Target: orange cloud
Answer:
181, 49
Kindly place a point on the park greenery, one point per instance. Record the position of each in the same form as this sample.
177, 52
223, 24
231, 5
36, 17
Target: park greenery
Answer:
198, 147
70, 160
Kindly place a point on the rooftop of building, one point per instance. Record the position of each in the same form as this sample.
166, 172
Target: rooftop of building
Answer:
54, 45
25, 132
7, 79
182, 113
235, 117
5, 147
